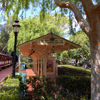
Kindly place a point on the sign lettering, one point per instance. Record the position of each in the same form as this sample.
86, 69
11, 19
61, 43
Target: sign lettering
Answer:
48, 42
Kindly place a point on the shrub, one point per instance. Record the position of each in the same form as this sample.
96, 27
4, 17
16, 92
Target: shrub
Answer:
43, 87
72, 70
29, 65
80, 64
17, 77
10, 89
76, 85
66, 88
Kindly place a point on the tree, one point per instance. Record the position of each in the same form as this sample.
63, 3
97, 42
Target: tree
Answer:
4, 36
32, 28
61, 55
90, 26
92, 30
84, 52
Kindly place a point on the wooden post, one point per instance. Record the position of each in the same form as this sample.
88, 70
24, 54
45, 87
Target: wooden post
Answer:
56, 69
45, 57
19, 67
41, 67
38, 66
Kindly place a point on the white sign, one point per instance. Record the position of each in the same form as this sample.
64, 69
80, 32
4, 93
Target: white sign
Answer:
48, 42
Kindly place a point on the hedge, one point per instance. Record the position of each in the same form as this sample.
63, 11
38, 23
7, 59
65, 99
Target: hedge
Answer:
73, 71
78, 85
10, 89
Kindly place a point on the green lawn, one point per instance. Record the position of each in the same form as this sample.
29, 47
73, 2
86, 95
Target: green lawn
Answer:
73, 70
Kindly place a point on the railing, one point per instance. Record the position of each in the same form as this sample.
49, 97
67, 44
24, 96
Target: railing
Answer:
4, 79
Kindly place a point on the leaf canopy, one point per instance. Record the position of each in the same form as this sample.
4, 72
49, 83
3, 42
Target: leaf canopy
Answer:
32, 28
83, 52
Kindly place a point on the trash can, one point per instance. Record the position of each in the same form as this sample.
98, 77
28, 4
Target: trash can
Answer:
22, 66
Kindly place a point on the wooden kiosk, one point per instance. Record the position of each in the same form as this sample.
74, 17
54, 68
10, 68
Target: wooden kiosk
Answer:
39, 50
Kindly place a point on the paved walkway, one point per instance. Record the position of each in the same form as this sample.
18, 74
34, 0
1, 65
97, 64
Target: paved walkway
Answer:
5, 72
29, 72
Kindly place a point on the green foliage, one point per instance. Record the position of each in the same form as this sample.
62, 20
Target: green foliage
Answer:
73, 71
32, 28
74, 87
80, 64
66, 88
20, 7
83, 52
45, 5
17, 77
29, 65
25, 59
10, 89
5, 32
3, 40
42, 87
58, 55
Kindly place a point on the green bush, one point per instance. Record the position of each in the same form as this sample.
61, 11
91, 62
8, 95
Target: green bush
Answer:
10, 89
73, 71
66, 88
29, 65
17, 77
76, 85
80, 64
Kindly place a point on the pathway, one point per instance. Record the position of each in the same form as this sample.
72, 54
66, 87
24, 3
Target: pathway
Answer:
5, 72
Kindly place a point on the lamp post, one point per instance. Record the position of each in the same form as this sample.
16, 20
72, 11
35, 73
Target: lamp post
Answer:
16, 26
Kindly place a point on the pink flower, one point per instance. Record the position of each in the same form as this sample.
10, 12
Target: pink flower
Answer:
60, 88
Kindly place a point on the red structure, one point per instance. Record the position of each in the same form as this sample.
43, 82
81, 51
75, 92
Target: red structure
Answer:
5, 60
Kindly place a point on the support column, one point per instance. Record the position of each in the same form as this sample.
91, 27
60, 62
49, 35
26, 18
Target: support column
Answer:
56, 69
34, 64
20, 67
45, 57
41, 67
38, 66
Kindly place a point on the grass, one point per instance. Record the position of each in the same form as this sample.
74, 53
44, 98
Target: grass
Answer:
73, 70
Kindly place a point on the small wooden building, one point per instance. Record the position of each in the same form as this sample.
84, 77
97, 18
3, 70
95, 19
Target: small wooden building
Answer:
39, 50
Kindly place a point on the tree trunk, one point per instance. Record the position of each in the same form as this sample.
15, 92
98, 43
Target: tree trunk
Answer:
95, 67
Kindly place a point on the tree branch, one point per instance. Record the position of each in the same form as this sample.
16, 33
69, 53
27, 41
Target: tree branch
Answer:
77, 13
97, 7
4, 48
82, 56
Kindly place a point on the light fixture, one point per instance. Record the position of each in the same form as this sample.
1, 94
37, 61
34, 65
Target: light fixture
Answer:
16, 27
51, 38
